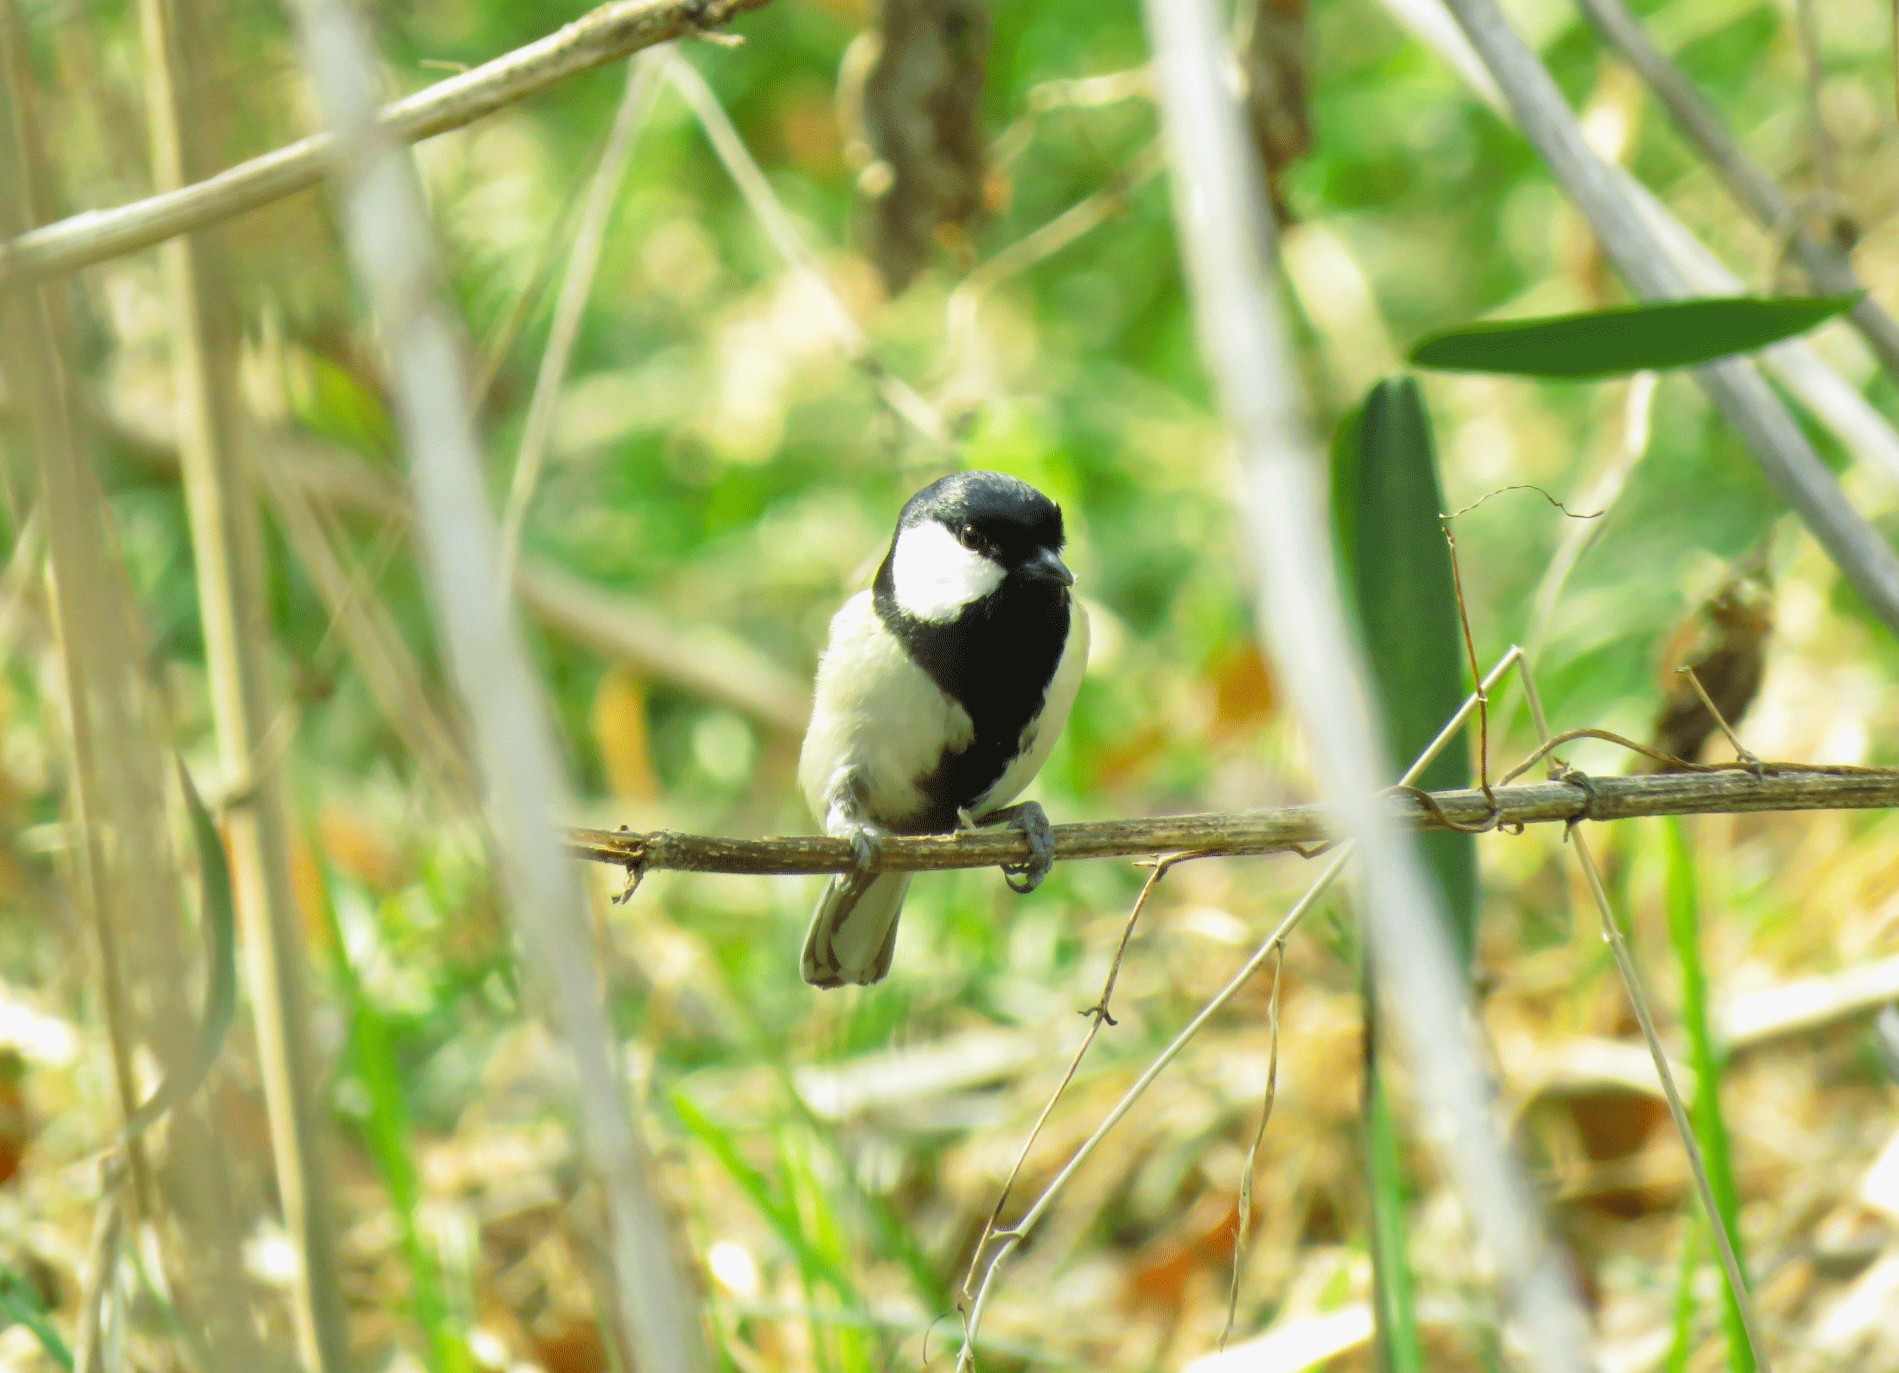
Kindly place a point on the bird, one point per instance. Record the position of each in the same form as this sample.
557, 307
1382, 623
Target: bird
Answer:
939, 696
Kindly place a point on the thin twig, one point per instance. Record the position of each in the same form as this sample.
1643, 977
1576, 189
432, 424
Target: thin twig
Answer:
1098, 1016
1779, 446
393, 253
1013, 1237
1640, 1002
583, 260
610, 32
1741, 750
782, 230
1020, 1230
1523, 486
1243, 1221
1604, 491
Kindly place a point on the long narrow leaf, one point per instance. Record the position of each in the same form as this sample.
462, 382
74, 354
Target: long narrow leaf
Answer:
1400, 576
219, 916
1626, 339
1385, 504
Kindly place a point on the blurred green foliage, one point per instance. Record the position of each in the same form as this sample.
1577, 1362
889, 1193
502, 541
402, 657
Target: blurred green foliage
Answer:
718, 459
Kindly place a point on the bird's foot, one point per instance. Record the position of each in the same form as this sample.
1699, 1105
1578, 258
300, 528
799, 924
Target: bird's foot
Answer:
1032, 820
867, 851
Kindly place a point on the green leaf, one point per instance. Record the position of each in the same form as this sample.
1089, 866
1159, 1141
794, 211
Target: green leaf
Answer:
1629, 338
1398, 568
218, 913
1704, 1055
1400, 1350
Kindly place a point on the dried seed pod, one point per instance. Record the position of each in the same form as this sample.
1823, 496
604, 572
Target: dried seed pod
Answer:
1725, 642
1273, 59
921, 101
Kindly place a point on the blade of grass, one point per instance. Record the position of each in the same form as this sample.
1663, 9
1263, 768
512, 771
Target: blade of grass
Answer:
1681, 1335
20, 1305
771, 1201
1394, 1302
218, 912
1684, 932
1639, 1002
389, 1137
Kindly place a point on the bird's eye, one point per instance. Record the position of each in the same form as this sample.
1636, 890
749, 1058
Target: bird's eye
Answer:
966, 535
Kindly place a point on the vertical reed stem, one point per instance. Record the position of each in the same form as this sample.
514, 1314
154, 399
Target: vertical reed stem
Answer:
227, 549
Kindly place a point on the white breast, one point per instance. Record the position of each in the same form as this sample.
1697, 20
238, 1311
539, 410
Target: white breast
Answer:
877, 715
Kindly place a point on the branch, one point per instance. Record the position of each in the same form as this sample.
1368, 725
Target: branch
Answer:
1728, 791
604, 35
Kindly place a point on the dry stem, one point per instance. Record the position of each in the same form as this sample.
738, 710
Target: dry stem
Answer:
227, 548
595, 39
1732, 789
394, 257
1640, 1001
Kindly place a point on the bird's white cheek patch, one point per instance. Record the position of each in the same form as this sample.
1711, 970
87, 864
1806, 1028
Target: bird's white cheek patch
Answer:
934, 576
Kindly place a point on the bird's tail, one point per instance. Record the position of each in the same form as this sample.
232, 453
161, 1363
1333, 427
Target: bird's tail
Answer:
854, 930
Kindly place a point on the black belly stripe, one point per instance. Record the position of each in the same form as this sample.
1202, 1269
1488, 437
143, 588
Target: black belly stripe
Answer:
996, 660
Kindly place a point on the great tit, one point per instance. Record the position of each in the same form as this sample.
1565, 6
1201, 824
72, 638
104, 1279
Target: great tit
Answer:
938, 698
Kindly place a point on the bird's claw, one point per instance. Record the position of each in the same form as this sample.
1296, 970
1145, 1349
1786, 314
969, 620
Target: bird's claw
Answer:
867, 851
1032, 821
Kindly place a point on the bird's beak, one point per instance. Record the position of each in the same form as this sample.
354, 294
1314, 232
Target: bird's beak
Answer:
1047, 566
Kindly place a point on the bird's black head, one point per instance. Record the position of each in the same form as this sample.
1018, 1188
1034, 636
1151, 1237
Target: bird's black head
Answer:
962, 538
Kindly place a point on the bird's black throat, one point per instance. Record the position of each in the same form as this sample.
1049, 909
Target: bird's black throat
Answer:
996, 660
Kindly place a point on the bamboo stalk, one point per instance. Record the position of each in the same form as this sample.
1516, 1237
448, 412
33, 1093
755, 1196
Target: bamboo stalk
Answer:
1225, 230
612, 31
393, 253
227, 549
1233, 834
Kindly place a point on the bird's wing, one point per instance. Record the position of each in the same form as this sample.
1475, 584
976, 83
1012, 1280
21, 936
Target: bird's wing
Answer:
877, 720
